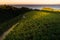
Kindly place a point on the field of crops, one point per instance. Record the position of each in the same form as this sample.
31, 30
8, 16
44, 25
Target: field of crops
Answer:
37, 25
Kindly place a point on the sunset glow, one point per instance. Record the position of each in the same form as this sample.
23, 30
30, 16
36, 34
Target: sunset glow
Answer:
29, 1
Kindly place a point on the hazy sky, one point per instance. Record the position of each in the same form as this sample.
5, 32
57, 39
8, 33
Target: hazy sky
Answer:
29, 1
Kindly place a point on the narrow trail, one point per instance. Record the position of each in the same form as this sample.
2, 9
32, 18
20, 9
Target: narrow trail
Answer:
9, 30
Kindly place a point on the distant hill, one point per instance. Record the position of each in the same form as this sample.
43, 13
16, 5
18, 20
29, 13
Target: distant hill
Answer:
50, 9
47, 8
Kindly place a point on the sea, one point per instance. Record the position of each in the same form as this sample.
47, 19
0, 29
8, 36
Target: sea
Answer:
38, 6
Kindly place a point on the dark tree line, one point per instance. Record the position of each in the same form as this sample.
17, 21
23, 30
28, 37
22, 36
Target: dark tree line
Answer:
9, 12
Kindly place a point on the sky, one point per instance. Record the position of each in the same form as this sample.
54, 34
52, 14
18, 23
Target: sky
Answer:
29, 1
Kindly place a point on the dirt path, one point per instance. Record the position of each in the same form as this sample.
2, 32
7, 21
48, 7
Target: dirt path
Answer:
6, 33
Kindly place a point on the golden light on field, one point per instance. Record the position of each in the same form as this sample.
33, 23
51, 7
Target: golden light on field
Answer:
29, 1
40, 15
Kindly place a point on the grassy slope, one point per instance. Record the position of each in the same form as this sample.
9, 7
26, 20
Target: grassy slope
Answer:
9, 15
37, 26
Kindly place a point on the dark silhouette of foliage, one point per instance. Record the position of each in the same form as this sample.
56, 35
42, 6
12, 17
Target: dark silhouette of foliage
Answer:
9, 15
8, 12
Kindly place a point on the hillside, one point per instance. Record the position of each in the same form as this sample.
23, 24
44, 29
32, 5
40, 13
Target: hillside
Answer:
37, 25
9, 16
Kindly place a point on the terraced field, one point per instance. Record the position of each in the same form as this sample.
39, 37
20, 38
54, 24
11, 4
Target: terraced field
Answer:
37, 25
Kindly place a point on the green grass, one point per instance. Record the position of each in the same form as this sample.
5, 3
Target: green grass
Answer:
37, 25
